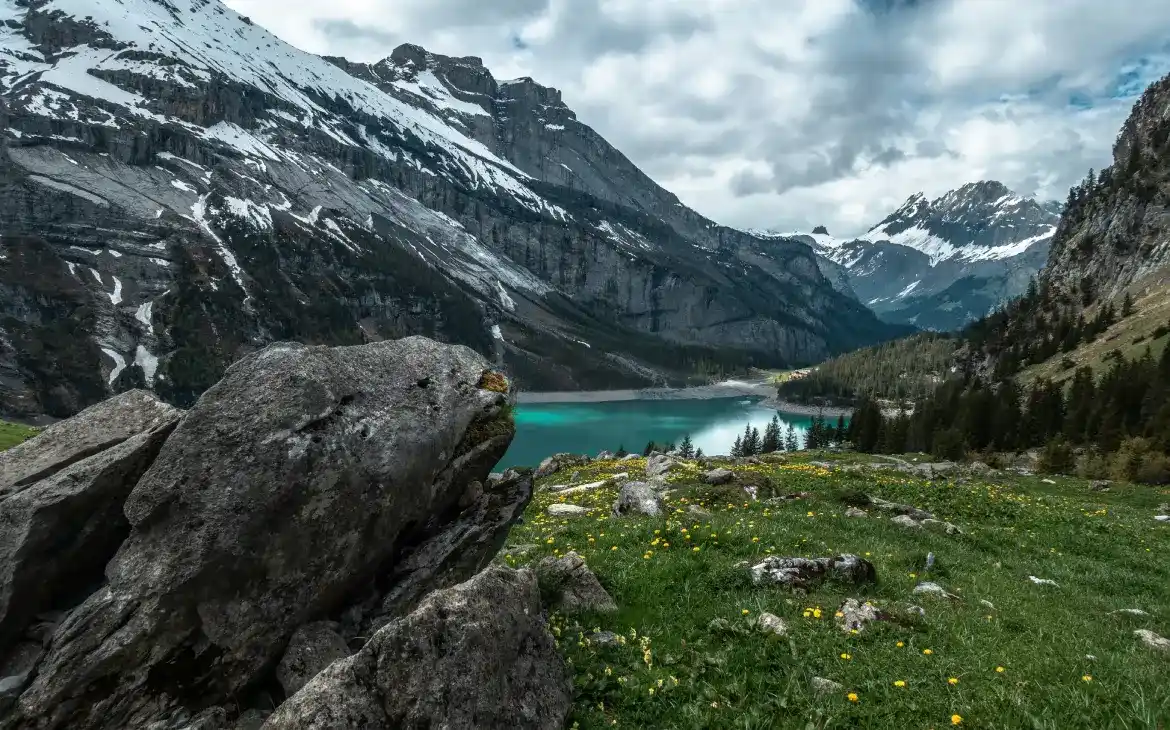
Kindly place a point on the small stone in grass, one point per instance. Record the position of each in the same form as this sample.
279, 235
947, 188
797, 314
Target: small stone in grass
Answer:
825, 686
1152, 640
772, 624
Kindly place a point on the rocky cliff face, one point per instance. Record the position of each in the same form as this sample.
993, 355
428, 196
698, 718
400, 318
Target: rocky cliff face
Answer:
1114, 231
178, 187
938, 264
185, 571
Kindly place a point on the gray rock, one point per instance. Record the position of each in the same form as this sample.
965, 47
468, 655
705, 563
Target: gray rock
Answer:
566, 510
933, 589
90, 432
826, 686
282, 494
477, 655
698, 512
1152, 640
637, 498
1162, 518
1099, 485
806, 573
567, 584
557, 462
312, 648
854, 615
658, 465
772, 624
604, 456
717, 476
855, 512
941, 526
61, 517
603, 638
900, 509
907, 521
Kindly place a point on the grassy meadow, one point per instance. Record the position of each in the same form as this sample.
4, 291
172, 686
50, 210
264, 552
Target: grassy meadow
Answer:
1005, 653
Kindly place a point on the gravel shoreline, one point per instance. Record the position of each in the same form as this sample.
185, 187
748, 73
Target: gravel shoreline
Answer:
729, 389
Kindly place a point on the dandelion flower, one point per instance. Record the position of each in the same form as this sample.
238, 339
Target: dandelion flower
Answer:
695, 549
953, 681
900, 644
852, 697
956, 719
899, 683
1087, 678
1000, 670
745, 612
846, 656
927, 652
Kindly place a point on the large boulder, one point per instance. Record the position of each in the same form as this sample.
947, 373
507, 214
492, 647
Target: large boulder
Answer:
637, 498
90, 432
477, 655
567, 584
61, 497
292, 485
659, 464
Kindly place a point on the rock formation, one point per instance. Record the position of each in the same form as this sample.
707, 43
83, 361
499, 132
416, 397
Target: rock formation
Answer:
296, 510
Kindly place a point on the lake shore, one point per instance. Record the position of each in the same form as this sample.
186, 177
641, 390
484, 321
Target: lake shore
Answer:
727, 389
798, 409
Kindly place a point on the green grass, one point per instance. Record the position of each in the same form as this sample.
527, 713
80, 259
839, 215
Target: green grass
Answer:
12, 434
678, 669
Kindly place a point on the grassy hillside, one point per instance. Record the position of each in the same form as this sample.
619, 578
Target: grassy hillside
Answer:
693, 657
12, 434
1148, 326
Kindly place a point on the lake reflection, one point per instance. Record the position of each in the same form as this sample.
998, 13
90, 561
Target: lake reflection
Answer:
587, 428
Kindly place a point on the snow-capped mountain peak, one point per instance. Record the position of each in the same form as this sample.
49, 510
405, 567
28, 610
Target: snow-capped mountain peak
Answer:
982, 238
978, 221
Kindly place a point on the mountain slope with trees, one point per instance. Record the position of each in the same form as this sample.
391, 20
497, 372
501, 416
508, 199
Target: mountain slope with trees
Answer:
1087, 403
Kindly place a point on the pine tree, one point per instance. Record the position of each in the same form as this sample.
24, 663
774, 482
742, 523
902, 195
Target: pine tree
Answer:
1127, 306
687, 449
751, 441
790, 443
622, 451
771, 436
650, 446
698, 454
841, 432
737, 447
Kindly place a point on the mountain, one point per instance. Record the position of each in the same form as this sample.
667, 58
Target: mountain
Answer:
179, 187
938, 264
1114, 232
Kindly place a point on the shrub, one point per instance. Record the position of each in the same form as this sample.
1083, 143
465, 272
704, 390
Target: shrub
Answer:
948, 445
1056, 458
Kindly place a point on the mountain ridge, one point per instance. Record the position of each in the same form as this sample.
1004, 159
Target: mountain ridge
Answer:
192, 187
939, 264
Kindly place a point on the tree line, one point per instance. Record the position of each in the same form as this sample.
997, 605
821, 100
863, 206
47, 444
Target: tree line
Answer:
1119, 423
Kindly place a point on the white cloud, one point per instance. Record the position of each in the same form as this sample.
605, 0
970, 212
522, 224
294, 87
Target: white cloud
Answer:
793, 113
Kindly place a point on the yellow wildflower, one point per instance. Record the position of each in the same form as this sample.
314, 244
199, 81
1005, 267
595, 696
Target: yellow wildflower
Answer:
956, 719
953, 681
852, 697
900, 683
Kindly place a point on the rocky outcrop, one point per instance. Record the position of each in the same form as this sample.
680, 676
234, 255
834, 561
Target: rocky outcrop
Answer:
61, 496
299, 489
568, 585
476, 655
1113, 231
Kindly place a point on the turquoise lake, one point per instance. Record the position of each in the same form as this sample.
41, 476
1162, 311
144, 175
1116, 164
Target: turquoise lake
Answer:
587, 428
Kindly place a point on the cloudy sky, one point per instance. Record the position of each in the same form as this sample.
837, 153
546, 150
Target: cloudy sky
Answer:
792, 113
